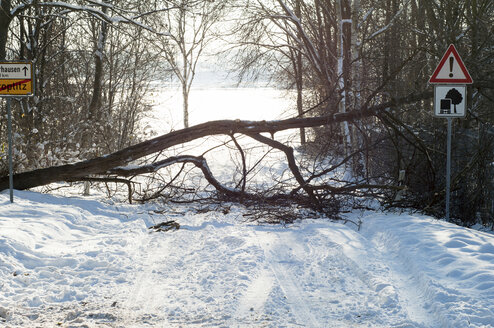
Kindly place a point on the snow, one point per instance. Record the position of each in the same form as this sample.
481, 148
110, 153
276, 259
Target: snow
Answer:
366, 16
85, 262
20, 7
89, 9
390, 24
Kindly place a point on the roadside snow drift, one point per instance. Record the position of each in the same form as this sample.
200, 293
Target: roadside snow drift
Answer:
74, 262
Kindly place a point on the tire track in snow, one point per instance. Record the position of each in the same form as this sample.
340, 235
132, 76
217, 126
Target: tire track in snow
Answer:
324, 287
417, 288
393, 286
271, 245
255, 296
144, 299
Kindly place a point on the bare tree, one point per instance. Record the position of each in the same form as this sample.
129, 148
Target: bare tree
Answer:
190, 25
90, 77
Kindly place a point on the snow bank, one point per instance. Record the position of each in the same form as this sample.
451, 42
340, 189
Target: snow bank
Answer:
450, 268
60, 251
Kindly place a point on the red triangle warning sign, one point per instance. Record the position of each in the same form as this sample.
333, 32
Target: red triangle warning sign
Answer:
451, 69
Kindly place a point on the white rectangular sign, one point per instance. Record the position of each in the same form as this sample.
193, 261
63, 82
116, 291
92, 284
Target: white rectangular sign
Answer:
450, 100
15, 71
16, 79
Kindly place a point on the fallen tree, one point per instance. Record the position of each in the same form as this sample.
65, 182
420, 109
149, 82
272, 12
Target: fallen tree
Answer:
104, 164
319, 196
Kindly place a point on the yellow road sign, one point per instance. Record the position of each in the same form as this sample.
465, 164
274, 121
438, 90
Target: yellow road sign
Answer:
16, 79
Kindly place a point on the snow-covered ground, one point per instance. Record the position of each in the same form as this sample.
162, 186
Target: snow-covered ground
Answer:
68, 261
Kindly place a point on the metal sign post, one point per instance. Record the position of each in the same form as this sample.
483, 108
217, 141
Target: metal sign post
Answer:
16, 80
448, 168
11, 166
450, 100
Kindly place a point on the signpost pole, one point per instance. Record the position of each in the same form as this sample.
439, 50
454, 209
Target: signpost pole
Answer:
11, 170
448, 168
16, 80
450, 100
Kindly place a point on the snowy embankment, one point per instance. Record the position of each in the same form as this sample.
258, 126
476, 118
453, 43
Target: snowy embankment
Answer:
74, 262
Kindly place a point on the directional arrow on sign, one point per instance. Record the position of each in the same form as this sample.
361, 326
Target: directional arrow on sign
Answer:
16, 79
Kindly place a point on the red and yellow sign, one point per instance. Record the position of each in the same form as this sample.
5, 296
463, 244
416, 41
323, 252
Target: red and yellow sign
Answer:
16, 79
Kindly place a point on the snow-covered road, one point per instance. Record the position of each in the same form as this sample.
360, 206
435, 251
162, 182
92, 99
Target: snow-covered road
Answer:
73, 262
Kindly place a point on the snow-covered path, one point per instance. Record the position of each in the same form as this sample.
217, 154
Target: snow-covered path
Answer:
72, 262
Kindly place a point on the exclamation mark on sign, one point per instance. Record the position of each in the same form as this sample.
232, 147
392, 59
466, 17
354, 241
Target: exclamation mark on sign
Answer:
451, 62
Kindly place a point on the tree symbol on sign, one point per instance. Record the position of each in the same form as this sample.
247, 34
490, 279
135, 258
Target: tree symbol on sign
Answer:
455, 96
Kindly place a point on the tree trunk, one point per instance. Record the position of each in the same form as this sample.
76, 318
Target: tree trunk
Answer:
344, 18
5, 19
103, 164
185, 99
299, 76
94, 111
